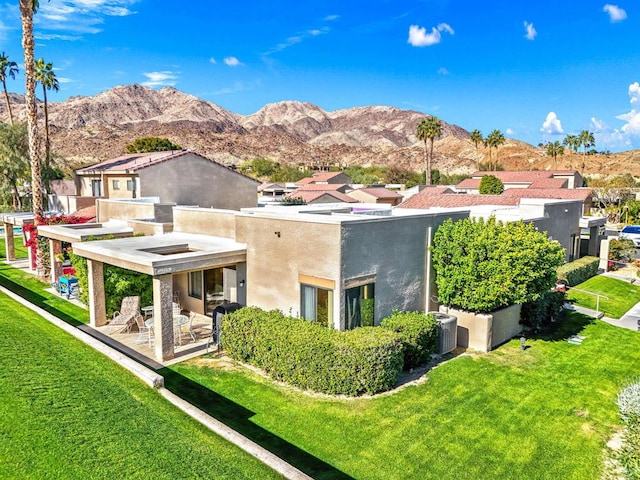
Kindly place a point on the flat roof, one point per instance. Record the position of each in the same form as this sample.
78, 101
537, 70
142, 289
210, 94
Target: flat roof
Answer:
82, 232
164, 254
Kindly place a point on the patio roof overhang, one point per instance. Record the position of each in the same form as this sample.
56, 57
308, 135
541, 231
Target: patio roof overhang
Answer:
18, 219
84, 231
164, 254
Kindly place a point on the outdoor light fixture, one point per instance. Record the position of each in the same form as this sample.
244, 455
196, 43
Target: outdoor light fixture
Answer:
277, 234
241, 283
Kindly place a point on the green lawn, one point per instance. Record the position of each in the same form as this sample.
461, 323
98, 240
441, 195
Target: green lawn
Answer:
68, 412
621, 295
19, 249
543, 413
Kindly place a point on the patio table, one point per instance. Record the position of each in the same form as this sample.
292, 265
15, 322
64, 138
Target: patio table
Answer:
179, 321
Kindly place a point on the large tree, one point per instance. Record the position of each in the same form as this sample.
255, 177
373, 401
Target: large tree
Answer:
27, 10
7, 69
151, 144
429, 129
553, 150
494, 140
47, 78
586, 140
476, 137
572, 142
14, 159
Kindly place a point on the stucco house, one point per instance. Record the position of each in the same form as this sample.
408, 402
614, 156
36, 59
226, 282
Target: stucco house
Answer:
379, 195
537, 179
182, 177
343, 265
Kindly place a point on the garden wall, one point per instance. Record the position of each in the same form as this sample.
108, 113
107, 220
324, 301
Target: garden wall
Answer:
481, 331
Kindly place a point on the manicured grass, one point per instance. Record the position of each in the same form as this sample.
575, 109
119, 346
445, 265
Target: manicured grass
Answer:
621, 295
19, 249
68, 412
543, 413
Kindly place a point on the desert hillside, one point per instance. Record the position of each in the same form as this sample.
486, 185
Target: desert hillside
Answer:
91, 129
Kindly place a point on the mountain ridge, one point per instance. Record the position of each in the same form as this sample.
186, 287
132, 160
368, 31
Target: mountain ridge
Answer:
89, 129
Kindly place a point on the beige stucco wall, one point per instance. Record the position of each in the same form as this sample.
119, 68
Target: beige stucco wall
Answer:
482, 332
69, 203
205, 221
149, 228
279, 250
107, 209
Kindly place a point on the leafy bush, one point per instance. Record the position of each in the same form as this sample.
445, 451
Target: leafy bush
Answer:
621, 249
307, 355
482, 266
539, 313
490, 185
418, 333
629, 453
578, 271
151, 144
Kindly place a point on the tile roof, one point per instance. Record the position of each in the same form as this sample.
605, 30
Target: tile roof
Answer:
549, 183
322, 187
311, 196
379, 192
557, 193
469, 183
454, 200
87, 212
318, 177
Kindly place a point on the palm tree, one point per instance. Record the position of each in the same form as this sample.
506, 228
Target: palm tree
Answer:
553, 150
429, 129
48, 80
476, 137
7, 69
572, 142
27, 9
494, 139
587, 140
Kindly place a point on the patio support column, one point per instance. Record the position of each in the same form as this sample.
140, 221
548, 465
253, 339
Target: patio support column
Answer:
163, 317
32, 260
8, 241
97, 310
594, 242
52, 258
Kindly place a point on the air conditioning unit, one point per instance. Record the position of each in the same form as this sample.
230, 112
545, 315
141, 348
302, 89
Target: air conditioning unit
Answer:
448, 333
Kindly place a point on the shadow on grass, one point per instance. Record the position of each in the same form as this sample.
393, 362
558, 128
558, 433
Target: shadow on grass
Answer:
239, 418
572, 324
35, 298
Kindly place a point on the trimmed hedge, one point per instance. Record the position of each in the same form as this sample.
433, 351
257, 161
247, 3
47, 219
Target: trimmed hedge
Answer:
540, 313
578, 271
629, 454
418, 333
366, 360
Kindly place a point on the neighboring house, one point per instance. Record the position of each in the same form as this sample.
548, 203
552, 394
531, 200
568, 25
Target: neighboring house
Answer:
311, 197
376, 195
182, 177
525, 179
324, 178
585, 195
340, 265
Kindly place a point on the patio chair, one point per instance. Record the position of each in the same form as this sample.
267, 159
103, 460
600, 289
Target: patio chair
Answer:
192, 331
145, 329
124, 319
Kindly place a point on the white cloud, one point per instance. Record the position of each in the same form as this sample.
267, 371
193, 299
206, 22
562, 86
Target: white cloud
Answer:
443, 71
510, 131
331, 18
77, 17
64, 79
634, 92
552, 124
418, 36
232, 61
616, 14
531, 31
212, 61
160, 79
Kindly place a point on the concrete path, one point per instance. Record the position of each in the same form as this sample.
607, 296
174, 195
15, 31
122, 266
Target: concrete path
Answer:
628, 320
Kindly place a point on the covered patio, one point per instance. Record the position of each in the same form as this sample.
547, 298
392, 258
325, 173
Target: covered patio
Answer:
164, 257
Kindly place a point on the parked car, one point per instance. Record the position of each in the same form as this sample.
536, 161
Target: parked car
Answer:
631, 232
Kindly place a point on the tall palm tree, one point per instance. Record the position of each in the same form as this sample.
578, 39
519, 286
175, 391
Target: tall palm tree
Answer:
429, 129
587, 140
494, 139
7, 69
572, 142
553, 150
476, 137
27, 10
47, 78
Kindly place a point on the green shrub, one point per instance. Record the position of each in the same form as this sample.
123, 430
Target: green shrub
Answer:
578, 271
539, 313
366, 360
629, 453
484, 265
418, 333
490, 185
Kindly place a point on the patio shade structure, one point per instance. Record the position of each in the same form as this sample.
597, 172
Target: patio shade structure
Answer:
160, 256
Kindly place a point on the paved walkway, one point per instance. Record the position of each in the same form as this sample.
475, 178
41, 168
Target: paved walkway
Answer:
628, 320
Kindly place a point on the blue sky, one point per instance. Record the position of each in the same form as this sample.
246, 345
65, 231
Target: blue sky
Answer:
535, 70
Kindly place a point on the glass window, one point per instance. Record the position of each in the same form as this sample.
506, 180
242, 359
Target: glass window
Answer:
195, 285
316, 304
359, 309
131, 184
115, 184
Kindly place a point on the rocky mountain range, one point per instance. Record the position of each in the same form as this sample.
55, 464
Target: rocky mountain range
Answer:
90, 129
